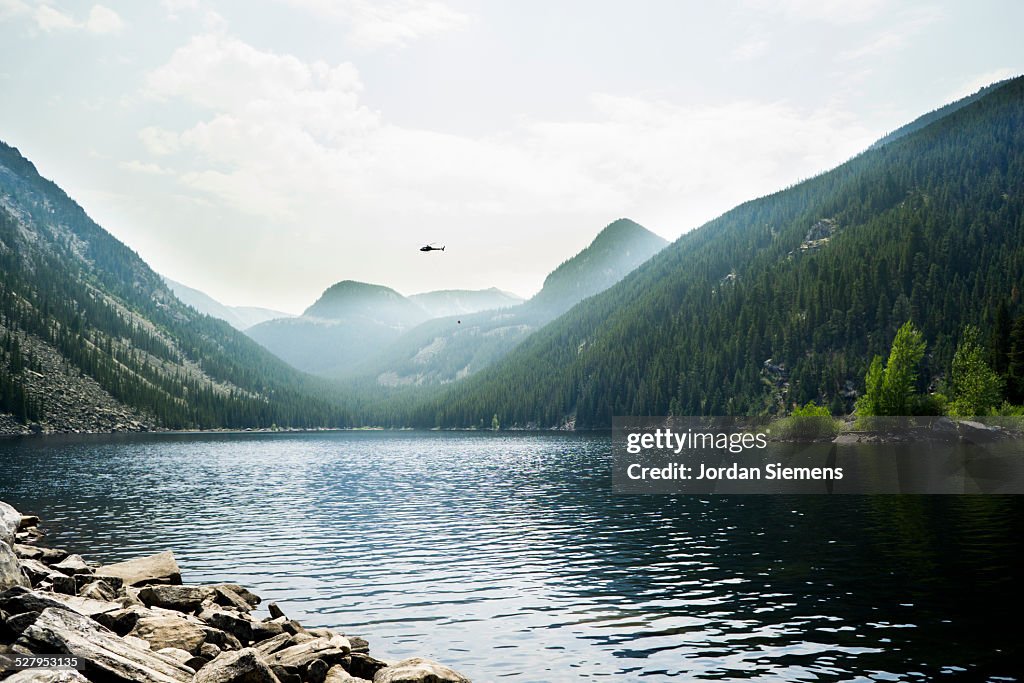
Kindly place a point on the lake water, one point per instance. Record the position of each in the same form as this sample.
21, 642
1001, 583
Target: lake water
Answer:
508, 557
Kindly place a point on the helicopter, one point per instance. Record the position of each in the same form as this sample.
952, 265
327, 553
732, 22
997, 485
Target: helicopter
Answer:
431, 247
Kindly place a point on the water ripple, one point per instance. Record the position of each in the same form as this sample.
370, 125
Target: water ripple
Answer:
508, 556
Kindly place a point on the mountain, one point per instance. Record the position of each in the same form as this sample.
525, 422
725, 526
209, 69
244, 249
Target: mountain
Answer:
239, 317
348, 322
448, 302
92, 339
786, 298
448, 349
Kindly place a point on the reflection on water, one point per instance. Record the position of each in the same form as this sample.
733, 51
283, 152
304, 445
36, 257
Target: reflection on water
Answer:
508, 557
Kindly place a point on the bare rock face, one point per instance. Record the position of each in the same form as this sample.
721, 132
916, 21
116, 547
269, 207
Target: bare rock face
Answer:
10, 522
107, 657
10, 570
418, 670
143, 571
243, 666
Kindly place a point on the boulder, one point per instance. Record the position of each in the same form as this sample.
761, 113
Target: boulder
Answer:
19, 599
10, 569
229, 622
176, 654
28, 521
418, 670
243, 666
223, 595
86, 606
170, 631
28, 552
73, 564
10, 522
337, 674
37, 572
241, 591
316, 672
300, 656
98, 590
178, 598
106, 656
365, 666
262, 630
275, 611
142, 571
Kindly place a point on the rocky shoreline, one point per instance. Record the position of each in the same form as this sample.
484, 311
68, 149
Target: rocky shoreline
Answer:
135, 622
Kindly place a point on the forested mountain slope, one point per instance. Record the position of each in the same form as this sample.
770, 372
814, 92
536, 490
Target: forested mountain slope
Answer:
786, 298
76, 304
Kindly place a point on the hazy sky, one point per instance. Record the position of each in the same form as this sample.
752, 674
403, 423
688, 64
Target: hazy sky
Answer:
261, 151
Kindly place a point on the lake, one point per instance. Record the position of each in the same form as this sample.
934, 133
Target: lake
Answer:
508, 557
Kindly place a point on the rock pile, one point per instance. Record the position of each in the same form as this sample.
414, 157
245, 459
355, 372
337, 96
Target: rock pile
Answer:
135, 622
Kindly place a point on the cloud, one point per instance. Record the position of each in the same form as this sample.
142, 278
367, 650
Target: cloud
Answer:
47, 18
837, 12
146, 168
291, 140
375, 24
750, 50
103, 20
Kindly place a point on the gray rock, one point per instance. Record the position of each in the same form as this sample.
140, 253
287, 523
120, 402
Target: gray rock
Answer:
229, 622
10, 522
19, 599
316, 672
418, 670
176, 654
73, 564
64, 584
10, 569
28, 521
158, 568
337, 674
275, 611
106, 656
178, 598
243, 666
86, 606
170, 631
330, 650
241, 591
262, 630
98, 590
209, 650
37, 572
28, 552
223, 595
365, 666
271, 645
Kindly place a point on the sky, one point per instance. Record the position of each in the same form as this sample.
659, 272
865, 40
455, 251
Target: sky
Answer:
263, 150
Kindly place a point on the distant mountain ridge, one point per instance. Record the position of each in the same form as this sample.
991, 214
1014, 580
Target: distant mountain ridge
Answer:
447, 349
239, 317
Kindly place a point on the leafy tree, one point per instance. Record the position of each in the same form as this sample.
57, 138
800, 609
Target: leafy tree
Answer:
975, 387
891, 390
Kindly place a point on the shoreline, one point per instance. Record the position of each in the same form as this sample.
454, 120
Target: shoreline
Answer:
135, 621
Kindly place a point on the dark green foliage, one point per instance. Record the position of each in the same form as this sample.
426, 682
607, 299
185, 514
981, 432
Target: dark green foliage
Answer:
975, 388
892, 389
